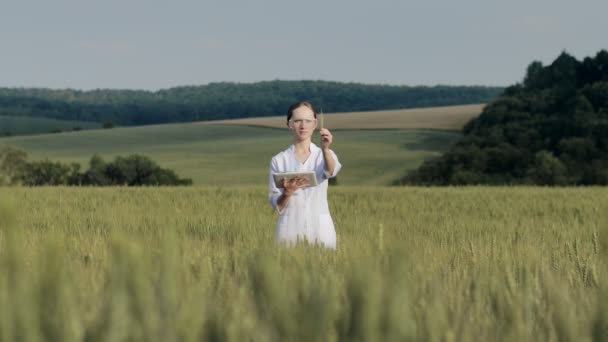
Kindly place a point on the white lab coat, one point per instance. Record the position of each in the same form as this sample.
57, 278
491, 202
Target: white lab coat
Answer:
306, 215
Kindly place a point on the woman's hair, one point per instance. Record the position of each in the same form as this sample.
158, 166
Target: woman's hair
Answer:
298, 105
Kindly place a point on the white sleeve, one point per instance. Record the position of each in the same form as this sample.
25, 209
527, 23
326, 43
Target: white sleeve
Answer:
273, 192
336, 168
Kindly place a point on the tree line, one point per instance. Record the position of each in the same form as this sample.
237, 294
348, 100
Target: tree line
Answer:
133, 170
227, 100
550, 129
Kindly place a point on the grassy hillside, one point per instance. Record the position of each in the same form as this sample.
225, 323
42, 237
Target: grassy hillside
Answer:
450, 118
15, 125
233, 154
375, 148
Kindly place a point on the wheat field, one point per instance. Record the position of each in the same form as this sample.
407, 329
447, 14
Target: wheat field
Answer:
444, 118
200, 264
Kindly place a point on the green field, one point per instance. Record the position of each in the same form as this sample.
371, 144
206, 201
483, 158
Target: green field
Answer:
232, 154
19, 125
199, 263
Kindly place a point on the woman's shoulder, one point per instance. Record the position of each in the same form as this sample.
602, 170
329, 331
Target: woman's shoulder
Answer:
282, 155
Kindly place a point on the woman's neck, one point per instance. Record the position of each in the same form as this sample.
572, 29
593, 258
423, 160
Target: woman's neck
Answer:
302, 145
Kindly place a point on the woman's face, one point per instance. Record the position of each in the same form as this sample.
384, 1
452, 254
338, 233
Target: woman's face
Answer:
302, 123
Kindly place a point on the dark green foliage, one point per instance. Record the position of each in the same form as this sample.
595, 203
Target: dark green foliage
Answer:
547, 169
46, 173
134, 170
227, 100
96, 174
550, 130
139, 170
13, 163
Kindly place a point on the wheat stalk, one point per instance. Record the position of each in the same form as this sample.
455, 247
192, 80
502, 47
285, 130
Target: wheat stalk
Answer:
321, 117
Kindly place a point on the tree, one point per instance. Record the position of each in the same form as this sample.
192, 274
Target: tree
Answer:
134, 170
137, 170
534, 75
13, 163
547, 169
46, 172
74, 176
97, 172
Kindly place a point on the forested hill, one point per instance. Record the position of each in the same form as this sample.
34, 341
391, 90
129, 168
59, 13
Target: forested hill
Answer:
552, 129
227, 100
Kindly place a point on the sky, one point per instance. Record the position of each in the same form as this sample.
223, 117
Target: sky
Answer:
152, 45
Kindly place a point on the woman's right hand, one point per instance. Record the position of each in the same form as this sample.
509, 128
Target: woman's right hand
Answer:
294, 184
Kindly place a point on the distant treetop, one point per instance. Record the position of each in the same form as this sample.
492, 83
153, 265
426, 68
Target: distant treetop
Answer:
227, 100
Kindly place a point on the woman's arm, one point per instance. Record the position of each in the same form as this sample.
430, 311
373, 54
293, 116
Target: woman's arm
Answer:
326, 140
330, 162
283, 199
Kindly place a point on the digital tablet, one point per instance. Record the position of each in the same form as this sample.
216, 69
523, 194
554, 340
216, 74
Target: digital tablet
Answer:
310, 176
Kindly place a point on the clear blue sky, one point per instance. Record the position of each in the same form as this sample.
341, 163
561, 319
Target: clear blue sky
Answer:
152, 45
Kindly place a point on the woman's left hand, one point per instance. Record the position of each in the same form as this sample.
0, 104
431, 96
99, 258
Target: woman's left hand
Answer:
326, 138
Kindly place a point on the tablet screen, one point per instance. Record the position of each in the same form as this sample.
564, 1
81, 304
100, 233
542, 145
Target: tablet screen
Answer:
310, 176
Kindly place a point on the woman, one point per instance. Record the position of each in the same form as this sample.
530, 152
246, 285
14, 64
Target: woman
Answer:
303, 210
